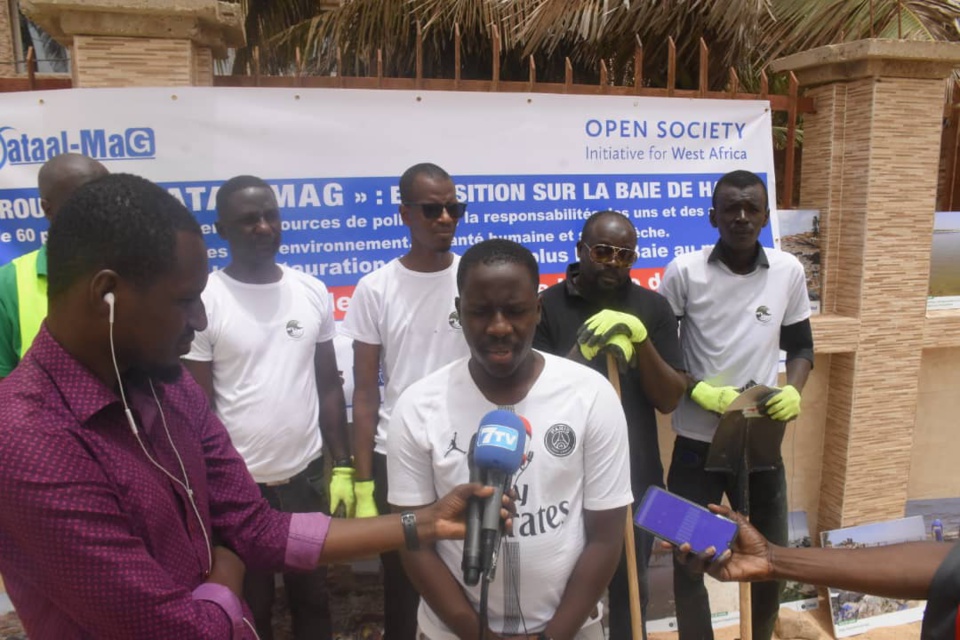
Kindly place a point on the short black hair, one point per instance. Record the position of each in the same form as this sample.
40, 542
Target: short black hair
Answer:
120, 222
234, 184
410, 176
741, 179
597, 217
497, 251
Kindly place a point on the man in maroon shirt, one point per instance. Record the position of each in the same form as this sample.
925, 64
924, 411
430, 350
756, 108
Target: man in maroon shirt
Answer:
127, 512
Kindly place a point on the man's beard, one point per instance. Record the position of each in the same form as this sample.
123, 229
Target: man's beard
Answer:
158, 373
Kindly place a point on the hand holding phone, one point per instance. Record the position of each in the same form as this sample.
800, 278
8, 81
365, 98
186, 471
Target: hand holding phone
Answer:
680, 521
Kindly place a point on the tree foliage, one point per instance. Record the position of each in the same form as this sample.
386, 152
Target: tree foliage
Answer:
744, 34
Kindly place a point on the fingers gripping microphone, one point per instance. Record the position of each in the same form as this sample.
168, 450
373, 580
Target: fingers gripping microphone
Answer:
498, 454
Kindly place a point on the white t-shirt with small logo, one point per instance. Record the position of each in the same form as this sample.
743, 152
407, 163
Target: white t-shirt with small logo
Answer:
261, 339
412, 316
578, 458
730, 327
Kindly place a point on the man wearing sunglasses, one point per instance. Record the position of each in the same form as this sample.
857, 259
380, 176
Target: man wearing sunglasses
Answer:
641, 331
403, 323
739, 304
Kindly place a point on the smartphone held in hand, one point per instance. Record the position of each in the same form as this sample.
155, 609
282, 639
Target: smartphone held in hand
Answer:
680, 521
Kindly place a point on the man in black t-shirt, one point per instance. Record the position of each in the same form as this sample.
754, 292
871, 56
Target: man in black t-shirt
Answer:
647, 346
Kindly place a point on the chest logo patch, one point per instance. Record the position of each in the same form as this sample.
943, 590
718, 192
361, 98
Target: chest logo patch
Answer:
295, 329
454, 320
560, 440
763, 314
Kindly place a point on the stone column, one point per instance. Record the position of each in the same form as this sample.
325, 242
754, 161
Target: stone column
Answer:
8, 20
119, 43
870, 163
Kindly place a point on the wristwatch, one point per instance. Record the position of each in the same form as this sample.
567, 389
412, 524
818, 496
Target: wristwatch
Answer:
343, 462
409, 521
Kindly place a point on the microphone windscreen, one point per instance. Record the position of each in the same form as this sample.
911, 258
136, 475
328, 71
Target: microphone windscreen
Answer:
501, 440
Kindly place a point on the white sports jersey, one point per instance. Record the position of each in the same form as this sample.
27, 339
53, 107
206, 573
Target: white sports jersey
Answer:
578, 458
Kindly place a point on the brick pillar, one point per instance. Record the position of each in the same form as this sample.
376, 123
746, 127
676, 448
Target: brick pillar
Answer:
870, 163
7, 50
117, 43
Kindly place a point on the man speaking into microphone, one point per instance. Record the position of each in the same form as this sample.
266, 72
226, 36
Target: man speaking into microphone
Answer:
573, 478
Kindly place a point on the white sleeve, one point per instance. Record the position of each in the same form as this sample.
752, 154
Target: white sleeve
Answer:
798, 304
606, 453
328, 328
363, 315
409, 464
674, 288
201, 349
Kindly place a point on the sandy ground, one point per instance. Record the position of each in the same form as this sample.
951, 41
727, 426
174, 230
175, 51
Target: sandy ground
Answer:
821, 618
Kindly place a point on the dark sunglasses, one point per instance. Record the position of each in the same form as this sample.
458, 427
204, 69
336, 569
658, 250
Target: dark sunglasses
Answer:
607, 254
433, 210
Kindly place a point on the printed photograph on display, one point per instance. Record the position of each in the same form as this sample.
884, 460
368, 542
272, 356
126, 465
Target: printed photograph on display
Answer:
797, 595
945, 262
941, 517
799, 234
854, 613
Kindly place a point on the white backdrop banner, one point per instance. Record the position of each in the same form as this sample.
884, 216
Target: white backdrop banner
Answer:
531, 167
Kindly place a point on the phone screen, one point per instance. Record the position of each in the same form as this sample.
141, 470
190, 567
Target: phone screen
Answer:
677, 520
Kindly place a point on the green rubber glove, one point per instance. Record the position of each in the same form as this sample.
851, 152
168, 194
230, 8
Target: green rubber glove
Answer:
621, 348
366, 506
603, 325
341, 490
711, 398
785, 406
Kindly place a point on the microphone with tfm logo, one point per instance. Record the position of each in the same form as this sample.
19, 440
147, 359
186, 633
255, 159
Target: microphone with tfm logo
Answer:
498, 454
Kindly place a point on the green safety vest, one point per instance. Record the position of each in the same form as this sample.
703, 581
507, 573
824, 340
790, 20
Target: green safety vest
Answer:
31, 298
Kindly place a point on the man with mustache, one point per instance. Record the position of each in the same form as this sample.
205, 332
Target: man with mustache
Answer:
267, 362
738, 305
127, 512
598, 288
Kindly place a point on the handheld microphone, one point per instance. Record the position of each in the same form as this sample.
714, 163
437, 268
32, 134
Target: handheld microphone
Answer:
471, 543
498, 454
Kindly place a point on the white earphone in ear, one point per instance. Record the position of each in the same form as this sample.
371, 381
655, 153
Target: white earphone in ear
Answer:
110, 300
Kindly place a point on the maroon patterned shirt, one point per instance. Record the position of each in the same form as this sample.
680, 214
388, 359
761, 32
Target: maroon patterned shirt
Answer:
96, 542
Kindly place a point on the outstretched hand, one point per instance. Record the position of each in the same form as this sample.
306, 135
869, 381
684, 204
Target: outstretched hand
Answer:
748, 560
447, 513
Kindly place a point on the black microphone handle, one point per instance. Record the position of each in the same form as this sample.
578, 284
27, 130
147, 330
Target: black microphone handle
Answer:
471, 563
490, 527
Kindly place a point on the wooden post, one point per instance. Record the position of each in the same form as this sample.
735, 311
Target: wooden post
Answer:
704, 84
671, 66
638, 66
788, 166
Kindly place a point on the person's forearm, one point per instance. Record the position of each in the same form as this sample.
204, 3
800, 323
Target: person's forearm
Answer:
366, 404
590, 577
348, 539
662, 384
894, 571
441, 591
333, 422
798, 370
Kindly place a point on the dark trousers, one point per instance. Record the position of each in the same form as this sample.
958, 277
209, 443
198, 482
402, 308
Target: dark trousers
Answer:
400, 598
619, 590
768, 513
306, 592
